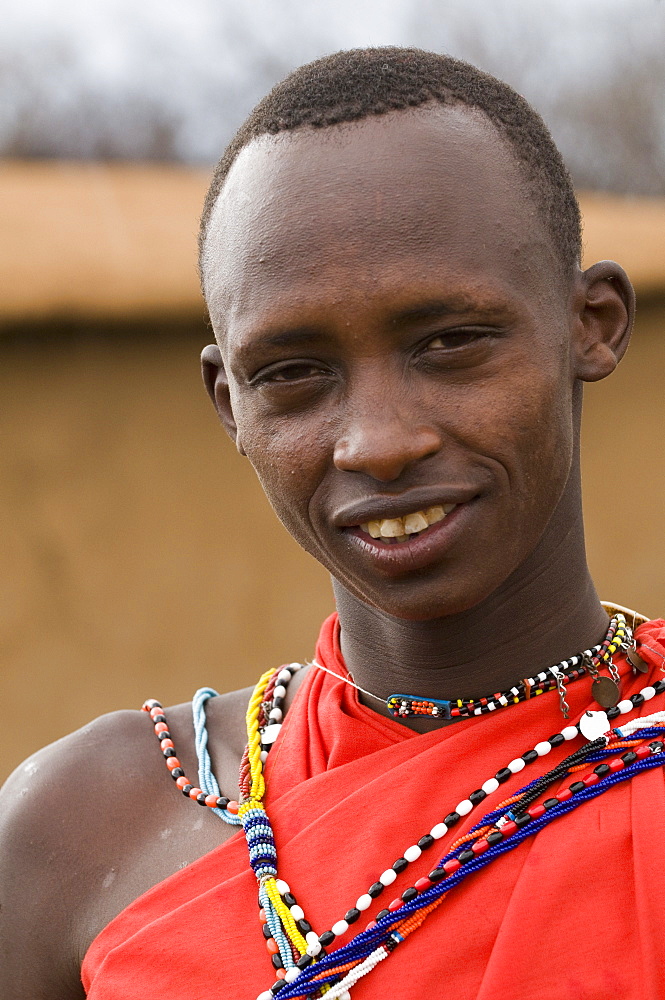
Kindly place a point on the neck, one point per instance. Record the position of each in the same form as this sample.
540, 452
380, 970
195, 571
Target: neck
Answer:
546, 611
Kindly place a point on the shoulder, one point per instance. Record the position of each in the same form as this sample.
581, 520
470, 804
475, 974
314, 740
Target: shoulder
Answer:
70, 775
83, 816
105, 765
50, 828
66, 777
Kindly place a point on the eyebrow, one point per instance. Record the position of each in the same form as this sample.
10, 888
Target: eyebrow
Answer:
284, 338
292, 337
440, 307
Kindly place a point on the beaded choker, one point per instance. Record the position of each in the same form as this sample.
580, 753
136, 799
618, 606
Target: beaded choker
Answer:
605, 690
297, 953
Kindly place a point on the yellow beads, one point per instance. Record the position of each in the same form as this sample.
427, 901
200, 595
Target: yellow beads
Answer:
285, 915
257, 790
255, 801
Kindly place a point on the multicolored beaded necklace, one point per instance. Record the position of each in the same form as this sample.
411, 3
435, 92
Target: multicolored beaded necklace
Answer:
298, 954
604, 689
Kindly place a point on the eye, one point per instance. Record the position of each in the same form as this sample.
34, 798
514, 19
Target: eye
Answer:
289, 372
292, 373
452, 339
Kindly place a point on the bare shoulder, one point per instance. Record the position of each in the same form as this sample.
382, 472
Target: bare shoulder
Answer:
87, 825
49, 820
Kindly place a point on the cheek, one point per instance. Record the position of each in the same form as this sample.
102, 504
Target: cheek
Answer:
544, 442
289, 461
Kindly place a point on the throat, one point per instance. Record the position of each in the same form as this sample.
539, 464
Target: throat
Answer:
486, 650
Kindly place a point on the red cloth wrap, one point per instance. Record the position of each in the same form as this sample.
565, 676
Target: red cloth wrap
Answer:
574, 913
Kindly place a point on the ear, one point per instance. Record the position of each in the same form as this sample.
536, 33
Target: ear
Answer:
604, 306
217, 386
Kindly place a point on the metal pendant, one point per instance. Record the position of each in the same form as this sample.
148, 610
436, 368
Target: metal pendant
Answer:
637, 662
605, 691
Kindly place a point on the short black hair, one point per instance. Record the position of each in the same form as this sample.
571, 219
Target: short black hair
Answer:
351, 85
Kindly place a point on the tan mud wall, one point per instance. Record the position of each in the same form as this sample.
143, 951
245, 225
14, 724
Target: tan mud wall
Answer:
139, 558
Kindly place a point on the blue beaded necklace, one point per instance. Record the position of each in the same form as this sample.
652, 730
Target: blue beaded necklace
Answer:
383, 934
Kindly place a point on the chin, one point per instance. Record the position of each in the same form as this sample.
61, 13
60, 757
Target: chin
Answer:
422, 605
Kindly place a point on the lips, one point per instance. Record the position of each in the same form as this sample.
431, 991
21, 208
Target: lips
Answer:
417, 552
401, 505
407, 528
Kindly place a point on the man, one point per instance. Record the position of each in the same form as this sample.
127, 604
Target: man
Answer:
390, 254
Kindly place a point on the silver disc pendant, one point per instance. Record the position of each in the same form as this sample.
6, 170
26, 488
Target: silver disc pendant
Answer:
605, 691
637, 662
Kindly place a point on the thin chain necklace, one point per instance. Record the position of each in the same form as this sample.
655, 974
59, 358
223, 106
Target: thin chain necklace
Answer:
605, 689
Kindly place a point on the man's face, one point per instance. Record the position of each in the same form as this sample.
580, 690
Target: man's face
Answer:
395, 335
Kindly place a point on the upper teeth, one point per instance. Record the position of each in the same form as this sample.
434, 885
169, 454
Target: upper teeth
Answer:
410, 524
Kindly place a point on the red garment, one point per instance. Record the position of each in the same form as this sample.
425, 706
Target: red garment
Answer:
574, 913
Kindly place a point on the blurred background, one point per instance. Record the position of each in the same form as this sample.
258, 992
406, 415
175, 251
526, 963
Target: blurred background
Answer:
138, 557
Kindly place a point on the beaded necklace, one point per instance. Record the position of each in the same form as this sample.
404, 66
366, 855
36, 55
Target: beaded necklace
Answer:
484, 837
488, 840
604, 689
297, 952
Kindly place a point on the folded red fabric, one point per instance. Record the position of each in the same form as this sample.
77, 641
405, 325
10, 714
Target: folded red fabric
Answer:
573, 913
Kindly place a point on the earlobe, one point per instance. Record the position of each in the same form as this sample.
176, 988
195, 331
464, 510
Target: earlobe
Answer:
217, 387
604, 308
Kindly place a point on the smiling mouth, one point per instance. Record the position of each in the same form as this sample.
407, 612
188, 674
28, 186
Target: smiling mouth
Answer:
400, 530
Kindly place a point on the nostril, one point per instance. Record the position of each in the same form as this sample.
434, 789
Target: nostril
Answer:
384, 451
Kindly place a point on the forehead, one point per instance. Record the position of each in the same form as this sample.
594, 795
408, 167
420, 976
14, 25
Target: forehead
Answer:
394, 202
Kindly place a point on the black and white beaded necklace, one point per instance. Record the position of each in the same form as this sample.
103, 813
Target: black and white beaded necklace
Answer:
605, 689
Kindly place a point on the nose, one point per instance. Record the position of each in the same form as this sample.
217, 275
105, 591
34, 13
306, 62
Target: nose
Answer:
383, 440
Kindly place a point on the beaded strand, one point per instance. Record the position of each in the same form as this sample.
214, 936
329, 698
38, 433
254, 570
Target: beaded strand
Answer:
383, 935
409, 706
220, 803
316, 945
465, 807
264, 719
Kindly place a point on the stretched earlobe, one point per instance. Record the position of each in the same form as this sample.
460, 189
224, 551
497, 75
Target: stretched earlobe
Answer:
217, 387
605, 308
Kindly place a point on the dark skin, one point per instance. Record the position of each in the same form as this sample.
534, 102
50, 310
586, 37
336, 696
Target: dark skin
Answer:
381, 346
380, 358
